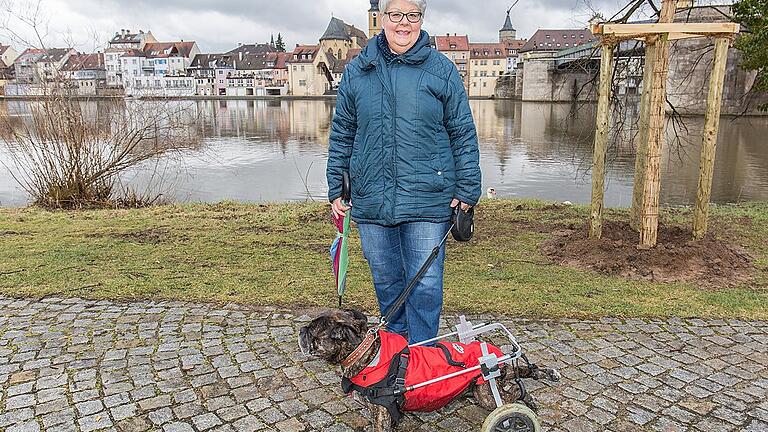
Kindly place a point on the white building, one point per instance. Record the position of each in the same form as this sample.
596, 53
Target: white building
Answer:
120, 44
160, 69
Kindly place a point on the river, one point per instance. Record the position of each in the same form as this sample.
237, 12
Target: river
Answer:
276, 151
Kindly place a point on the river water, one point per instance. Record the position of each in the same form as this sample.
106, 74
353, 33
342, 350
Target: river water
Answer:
256, 151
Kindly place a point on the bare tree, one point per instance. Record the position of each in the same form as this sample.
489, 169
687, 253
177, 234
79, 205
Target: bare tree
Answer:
69, 152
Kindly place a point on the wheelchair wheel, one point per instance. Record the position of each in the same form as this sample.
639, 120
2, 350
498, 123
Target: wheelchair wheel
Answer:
512, 418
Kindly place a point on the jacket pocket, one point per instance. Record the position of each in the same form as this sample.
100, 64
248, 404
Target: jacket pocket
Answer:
431, 175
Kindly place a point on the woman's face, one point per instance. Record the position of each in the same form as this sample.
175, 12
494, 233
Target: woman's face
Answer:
402, 35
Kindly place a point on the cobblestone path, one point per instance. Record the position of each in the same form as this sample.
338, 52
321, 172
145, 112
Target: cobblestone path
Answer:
70, 364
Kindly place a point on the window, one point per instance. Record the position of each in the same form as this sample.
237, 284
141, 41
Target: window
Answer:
302, 68
294, 67
302, 83
484, 83
374, 21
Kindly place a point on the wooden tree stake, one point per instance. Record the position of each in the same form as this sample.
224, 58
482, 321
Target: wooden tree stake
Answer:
601, 140
709, 145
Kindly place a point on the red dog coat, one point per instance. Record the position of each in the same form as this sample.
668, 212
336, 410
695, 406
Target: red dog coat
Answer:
424, 364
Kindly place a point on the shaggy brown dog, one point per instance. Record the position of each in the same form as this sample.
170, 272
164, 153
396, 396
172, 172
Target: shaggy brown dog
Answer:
334, 335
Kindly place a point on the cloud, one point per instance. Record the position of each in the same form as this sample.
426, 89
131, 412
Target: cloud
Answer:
220, 25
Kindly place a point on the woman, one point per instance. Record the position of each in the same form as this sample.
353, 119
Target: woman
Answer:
404, 131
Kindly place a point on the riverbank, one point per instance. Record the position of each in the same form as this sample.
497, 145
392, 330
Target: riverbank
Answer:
278, 255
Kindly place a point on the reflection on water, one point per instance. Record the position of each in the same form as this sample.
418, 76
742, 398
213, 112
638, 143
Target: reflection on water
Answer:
277, 150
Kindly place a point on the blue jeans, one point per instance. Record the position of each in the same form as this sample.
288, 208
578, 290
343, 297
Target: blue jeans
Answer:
395, 255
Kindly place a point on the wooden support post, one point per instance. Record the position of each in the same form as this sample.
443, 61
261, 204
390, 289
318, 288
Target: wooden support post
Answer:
601, 140
709, 145
642, 136
656, 137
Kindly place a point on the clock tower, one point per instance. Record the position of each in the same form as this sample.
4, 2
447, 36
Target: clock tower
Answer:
374, 19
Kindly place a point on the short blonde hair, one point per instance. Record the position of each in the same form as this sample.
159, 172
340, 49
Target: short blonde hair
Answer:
421, 4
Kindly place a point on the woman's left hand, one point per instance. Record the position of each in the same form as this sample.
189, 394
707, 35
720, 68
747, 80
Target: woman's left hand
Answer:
464, 206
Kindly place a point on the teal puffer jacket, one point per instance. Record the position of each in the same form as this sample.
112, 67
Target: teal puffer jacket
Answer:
405, 133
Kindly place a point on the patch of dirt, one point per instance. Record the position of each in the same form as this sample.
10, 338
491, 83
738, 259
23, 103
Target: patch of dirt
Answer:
12, 233
322, 214
710, 263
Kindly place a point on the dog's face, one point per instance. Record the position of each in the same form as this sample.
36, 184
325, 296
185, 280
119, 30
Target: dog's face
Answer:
333, 335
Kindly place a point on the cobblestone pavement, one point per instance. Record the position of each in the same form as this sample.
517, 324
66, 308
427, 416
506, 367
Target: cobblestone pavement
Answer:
70, 364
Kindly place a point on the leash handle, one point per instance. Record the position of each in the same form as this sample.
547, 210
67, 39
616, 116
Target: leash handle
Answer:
407, 291
346, 188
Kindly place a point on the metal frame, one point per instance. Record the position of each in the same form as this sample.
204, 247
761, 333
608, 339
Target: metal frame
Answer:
489, 362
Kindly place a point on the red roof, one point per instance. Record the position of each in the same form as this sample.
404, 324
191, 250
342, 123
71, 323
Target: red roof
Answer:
167, 49
452, 43
556, 40
282, 57
299, 53
84, 62
487, 50
134, 53
516, 44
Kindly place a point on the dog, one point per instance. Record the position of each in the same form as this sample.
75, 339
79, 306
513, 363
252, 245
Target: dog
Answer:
337, 336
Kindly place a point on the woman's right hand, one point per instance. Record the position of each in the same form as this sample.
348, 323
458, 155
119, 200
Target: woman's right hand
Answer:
338, 208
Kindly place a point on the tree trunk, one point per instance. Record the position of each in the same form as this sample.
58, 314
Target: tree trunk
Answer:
709, 145
656, 137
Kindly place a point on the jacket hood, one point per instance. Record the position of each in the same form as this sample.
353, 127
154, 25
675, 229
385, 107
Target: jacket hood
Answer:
417, 54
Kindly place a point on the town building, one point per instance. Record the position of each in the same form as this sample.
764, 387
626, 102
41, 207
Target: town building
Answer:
303, 77
210, 72
456, 48
160, 69
120, 44
315, 70
37, 69
488, 62
85, 74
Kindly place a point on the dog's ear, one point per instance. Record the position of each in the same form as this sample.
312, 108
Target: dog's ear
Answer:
359, 316
343, 332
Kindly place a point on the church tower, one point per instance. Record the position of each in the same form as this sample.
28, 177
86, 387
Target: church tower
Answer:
374, 19
507, 33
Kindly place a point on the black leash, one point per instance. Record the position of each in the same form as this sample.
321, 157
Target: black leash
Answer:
424, 267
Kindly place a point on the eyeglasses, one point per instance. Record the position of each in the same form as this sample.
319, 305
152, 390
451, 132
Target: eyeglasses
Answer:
396, 17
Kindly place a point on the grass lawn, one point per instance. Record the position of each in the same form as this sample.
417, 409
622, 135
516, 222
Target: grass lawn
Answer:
278, 255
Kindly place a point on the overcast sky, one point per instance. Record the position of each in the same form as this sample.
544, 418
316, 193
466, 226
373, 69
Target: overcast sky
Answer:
218, 25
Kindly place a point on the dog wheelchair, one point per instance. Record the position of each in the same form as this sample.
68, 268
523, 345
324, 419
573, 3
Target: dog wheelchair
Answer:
512, 417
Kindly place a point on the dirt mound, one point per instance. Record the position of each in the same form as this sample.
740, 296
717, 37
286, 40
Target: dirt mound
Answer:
710, 263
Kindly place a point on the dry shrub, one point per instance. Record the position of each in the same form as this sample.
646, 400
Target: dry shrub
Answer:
69, 153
